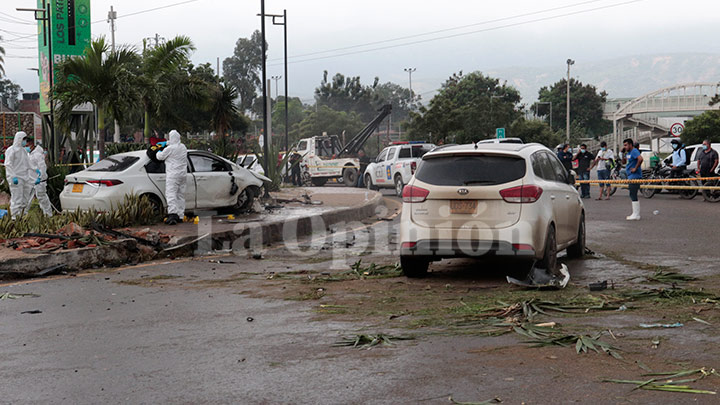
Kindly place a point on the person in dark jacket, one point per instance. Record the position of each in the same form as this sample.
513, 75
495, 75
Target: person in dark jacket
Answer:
565, 157
585, 160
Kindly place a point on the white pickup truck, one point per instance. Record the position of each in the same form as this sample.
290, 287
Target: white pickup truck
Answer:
395, 165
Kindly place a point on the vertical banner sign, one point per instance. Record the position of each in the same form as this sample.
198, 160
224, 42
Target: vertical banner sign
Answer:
70, 35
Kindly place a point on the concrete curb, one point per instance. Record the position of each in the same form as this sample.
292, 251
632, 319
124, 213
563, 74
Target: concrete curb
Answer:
128, 251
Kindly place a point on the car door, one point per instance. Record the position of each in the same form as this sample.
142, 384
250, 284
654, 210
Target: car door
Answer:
389, 159
542, 167
212, 180
379, 172
568, 199
156, 173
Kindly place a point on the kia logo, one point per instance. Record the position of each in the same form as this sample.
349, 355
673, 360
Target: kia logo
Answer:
463, 191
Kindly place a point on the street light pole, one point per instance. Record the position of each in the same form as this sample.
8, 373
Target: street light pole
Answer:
267, 159
410, 72
570, 62
112, 16
277, 89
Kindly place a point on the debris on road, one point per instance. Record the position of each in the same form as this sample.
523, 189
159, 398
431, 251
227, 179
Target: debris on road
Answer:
598, 286
701, 321
542, 278
50, 271
34, 311
9, 296
370, 341
669, 277
668, 382
661, 325
489, 401
542, 336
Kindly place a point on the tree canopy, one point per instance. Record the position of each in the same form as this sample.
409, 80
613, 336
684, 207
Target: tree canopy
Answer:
325, 119
586, 108
243, 69
9, 92
467, 108
535, 131
704, 126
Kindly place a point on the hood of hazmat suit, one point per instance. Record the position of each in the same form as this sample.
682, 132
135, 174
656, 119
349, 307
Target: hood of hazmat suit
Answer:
17, 160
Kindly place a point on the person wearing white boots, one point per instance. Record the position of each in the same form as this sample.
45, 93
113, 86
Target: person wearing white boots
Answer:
633, 168
38, 172
17, 169
176, 161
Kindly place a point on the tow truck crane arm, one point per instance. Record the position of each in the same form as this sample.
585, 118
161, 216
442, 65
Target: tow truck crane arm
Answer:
358, 141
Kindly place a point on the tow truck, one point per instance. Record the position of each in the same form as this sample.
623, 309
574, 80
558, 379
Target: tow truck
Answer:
324, 158
395, 165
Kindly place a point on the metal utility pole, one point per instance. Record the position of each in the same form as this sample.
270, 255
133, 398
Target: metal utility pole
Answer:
267, 159
277, 89
112, 16
218, 68
410, 72
570, 62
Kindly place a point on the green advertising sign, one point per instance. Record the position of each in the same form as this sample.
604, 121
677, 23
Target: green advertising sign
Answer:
69, 36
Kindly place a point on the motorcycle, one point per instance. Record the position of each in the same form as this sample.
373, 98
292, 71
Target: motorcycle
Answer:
664, 171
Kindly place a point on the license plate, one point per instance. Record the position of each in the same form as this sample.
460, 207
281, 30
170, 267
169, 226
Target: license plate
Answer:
463, 206
78, 188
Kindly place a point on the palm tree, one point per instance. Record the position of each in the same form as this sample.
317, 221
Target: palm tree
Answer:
100, 77
159, 64
223, 108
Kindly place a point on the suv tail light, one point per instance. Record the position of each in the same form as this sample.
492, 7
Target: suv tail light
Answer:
107, 183
413, 166
521, 194
412, 194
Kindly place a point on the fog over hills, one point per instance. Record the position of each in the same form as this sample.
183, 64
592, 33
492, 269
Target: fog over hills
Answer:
628, 76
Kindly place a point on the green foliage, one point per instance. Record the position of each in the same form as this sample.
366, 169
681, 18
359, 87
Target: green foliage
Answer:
133, 211
325, 119
225, 146
223, 108
704, 126
115, 148
586, 108
9, 91
273, 168
296, 113
56, 182
467, 108
242, 70
535, 131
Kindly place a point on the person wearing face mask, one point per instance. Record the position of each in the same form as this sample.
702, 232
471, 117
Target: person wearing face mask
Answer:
707, 160
176, 162
17, 169
38, 172
604, 157
679, 159
585, 160
633, 168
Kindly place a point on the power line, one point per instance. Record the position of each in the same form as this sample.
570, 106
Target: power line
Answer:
548, 10
16, 19
121, 16
468, 33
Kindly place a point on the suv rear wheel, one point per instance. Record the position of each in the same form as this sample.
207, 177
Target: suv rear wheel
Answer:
414, 267
549, 260
577, 249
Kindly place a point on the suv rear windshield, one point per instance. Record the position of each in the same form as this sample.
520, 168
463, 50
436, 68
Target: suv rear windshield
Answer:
473, 170
113, 164
415, 151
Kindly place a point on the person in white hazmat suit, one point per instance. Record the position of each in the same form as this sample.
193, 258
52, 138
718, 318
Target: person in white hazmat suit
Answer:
38, 172
175, 157
17, 170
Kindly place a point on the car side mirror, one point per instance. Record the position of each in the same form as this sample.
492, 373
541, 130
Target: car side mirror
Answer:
571, 177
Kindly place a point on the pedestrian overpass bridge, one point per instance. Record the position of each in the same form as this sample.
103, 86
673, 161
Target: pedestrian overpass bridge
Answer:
638, 118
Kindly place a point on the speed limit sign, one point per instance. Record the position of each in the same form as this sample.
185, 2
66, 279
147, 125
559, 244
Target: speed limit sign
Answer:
677, 129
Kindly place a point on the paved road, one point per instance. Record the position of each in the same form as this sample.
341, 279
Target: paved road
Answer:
194, 331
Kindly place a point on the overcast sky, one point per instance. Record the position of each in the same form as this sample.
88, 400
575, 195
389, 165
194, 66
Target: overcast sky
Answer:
500, 36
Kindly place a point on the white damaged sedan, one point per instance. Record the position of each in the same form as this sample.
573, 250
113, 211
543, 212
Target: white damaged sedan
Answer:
212, 182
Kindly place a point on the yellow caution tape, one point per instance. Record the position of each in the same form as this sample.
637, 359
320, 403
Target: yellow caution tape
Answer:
634, 181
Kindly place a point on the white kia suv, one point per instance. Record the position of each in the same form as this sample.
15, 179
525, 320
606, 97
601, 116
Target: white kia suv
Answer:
500, 199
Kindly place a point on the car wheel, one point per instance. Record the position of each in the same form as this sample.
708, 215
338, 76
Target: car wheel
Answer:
318, 182
157, 206
549, 260
368, 183
350, 176
577, 250
245, 199
414, 267
399, 186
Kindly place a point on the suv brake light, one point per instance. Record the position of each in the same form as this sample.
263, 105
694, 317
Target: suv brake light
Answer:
412, 194
413, 166
107, 183
521, 194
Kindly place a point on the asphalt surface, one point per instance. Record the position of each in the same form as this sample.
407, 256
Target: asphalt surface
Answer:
113, 337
